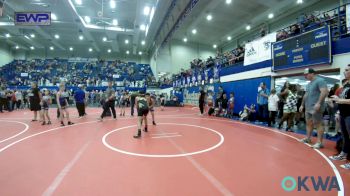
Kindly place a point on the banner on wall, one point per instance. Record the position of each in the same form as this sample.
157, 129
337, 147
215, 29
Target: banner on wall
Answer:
259, 50
348, 17
216, 72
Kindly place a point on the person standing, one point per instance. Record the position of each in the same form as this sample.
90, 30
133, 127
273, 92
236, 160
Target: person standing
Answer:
151, 103
201, 102
109, 103
2, 98
34, 100
62, 104
273, 107
19, 98
132, 102
231, 104
142, 112
289, 108
314, 103
79, 97
343, 101
46, 102
263, 95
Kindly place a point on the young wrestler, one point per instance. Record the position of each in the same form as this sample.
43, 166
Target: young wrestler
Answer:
46, 102
151, 102
142, 111
62, 104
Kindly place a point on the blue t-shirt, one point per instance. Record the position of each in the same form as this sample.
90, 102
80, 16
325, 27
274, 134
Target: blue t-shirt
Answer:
79, 96
261, 99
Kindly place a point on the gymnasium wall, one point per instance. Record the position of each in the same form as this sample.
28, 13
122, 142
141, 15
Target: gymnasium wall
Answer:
288, 18
5, 54
177, 55
48, 54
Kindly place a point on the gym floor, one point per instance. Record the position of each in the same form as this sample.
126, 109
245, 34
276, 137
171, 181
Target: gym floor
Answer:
184, 154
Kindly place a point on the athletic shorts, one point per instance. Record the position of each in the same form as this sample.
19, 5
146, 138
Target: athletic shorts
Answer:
151, 109
142, 112
316, 117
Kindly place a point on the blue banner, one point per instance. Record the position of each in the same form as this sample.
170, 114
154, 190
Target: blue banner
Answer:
216, 72
310, 48
33, 18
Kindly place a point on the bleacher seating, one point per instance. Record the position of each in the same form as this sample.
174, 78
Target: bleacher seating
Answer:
49, 72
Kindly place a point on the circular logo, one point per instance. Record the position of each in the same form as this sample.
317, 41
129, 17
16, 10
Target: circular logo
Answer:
285, 185
104, 140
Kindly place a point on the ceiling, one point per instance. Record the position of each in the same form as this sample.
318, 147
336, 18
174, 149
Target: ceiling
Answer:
227, 20
71, 23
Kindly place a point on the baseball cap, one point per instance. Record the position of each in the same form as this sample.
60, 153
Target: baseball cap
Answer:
309, 71
80, 85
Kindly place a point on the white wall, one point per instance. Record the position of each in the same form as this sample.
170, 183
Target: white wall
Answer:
177, 55
5, 54
43, 54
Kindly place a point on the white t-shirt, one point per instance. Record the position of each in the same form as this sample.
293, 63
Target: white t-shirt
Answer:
273, 102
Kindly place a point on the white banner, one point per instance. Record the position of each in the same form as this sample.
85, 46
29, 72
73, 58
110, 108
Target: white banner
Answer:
24, 74
259, 50
348, 17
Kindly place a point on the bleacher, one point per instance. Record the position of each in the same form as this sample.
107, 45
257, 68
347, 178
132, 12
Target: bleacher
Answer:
49, 72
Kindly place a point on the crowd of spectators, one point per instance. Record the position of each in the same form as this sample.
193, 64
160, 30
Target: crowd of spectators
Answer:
92, 73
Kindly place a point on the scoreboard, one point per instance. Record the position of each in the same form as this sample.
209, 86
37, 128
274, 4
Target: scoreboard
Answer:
310, 48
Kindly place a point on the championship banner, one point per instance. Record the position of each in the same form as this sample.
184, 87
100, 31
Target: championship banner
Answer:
206, 75
199, 76
259, 50
216, 71
188, 79
348, 17
194, 77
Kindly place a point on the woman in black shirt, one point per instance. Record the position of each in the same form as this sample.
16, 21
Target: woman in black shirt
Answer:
343, 102
34, 100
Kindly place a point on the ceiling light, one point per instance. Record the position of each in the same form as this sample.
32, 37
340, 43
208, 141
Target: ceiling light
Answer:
112, 4
109, 50
78, 2
143, 42
146, 10
87, 19
228, 1
32, 47
51, 48
215, 46
140, 53
142, 27
299, 1
81, 37
209, 17
90, 49
71, 49
271, 15
104, 39
194, 31
185, 39
127, 52
248, 27
7, 35
17, 47
26, 37
57, 36
126, 41
32, 35
229, 38
53, 16
115, 22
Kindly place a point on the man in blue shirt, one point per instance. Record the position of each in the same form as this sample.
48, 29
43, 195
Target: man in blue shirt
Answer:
79, 97
263, 95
